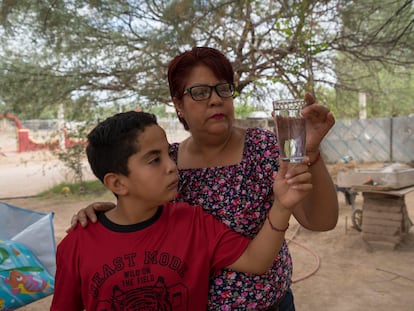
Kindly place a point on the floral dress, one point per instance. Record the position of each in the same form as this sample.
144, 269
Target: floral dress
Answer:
240, 196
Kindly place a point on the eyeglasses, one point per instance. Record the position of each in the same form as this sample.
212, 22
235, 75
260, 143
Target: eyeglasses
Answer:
203, 92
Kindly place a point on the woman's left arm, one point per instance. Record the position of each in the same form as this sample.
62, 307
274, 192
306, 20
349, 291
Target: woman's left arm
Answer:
319, 212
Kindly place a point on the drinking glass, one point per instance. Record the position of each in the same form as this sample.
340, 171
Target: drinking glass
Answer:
290, 128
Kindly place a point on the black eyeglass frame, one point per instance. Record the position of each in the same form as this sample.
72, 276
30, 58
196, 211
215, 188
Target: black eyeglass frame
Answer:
190, 89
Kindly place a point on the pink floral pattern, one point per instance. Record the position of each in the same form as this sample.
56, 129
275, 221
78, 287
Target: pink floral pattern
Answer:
240, 196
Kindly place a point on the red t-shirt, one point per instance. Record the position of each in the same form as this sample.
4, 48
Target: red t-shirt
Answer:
163, 263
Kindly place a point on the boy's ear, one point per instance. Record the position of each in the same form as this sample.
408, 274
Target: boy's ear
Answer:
114, 182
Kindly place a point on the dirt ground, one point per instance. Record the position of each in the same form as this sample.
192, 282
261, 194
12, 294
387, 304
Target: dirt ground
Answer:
333, 270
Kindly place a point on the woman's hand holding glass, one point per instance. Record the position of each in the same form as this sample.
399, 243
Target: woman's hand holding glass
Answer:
319, 120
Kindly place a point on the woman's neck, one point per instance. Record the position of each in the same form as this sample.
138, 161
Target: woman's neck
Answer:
205, 143
209, 151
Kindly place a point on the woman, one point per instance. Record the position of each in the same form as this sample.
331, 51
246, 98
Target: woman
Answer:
228, 170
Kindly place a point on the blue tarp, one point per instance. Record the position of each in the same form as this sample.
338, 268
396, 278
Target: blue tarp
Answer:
27, 256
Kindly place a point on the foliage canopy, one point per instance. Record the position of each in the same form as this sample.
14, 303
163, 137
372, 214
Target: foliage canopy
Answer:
83, 53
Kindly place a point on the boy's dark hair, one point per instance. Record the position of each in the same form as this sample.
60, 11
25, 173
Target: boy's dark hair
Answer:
114, 140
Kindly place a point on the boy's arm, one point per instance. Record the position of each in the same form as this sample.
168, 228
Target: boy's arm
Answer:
292, 184
67, 292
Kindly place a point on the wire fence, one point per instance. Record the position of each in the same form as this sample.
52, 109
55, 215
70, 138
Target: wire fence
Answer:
362, 140
371, 140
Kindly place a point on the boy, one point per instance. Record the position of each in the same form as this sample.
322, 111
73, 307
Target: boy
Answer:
149, 253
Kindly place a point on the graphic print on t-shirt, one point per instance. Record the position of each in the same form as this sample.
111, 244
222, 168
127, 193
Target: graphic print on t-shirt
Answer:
157, 297
142, 288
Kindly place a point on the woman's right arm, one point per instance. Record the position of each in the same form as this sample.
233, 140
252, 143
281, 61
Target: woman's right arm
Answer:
89, 212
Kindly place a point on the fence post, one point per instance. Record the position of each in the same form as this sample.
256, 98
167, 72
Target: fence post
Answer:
391, 139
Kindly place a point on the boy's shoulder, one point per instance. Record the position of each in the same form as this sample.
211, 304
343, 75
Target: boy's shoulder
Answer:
79, 231
185, 212
182, 208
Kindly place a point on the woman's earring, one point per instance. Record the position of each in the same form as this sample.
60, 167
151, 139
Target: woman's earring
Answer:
180, 114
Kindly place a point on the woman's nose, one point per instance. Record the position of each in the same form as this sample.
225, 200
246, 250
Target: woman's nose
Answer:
215, 99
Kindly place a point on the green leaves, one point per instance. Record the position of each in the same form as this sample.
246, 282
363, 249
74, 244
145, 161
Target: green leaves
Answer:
117, 52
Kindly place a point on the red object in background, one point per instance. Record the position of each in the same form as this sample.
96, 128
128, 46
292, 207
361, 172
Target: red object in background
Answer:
25, 143
368, 181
